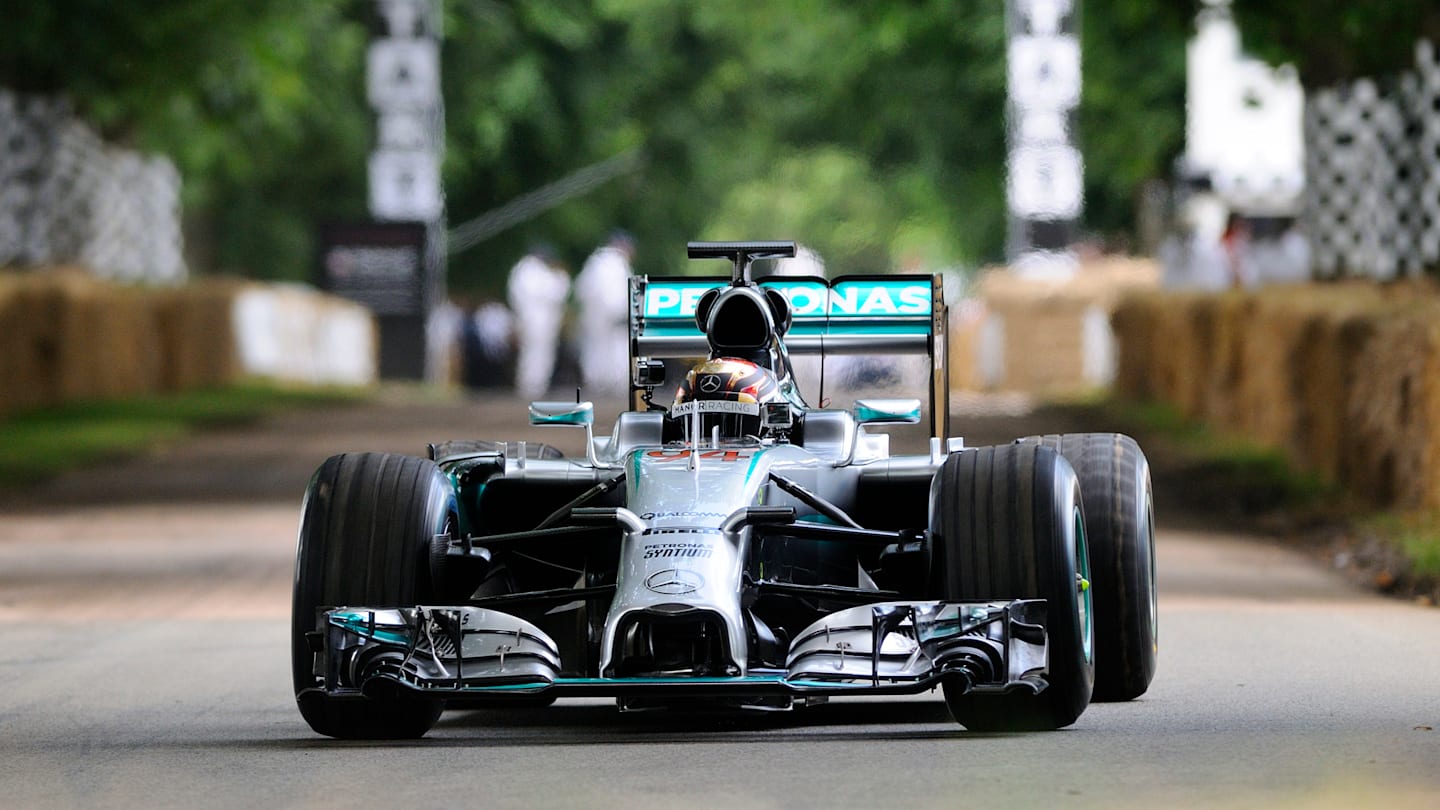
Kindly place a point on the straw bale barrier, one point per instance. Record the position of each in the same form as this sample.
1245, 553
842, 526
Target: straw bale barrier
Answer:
1343, 378
1038, 336
66, 336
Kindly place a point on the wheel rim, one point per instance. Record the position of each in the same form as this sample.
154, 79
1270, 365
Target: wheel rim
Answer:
1084, 594
1148, 543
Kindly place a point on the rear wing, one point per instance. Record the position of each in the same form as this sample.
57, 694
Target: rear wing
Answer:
864, 314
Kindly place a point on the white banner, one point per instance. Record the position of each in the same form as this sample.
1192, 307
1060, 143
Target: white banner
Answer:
405, 185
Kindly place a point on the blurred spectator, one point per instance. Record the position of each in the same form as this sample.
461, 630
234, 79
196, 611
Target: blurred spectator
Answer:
537, 291
488, 346
602, 291
1236, 241
805, 262
1292, 265
1194, 258
1280, 254
442, 335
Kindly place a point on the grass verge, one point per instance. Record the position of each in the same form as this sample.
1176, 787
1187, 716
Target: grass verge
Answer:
1415, 535
42, 444
1391, 551
1220, 466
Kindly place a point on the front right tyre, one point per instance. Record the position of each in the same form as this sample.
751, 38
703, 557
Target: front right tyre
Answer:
1007, 523
367, 527
1120, 528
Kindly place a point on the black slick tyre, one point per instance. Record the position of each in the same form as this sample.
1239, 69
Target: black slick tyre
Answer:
367, 526
1120, 526
1007, 523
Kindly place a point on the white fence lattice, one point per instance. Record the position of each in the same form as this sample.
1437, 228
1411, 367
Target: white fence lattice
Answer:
1372, 199
68, 197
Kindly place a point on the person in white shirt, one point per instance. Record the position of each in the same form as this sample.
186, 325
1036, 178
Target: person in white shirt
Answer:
805, 262
537, 291
602, 291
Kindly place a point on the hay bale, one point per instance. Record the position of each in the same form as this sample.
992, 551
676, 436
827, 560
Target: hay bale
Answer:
1344, 378
967, 318
32, 342
1427, 415
66, 336
1322, 373
108, 345
1228, 319
1173, 350
1323, 369
1134, 321
197, 335
1265, 402
1382, 451
10, 344
1044, 321
1042, 343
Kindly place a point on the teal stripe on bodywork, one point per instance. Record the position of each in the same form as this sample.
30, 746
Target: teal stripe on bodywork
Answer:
754, 460
775, 679
833, 329
359, 624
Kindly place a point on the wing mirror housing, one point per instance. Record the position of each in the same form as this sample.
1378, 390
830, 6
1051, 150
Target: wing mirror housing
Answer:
562, 414
887, 411
569, 414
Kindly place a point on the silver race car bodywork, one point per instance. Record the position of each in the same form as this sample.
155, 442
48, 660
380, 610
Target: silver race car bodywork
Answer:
684, 572
675, 564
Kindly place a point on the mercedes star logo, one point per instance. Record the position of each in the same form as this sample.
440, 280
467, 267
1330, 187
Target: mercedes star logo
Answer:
674, 582
710, 383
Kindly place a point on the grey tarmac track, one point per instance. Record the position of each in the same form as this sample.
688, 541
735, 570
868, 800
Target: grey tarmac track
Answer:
144, 644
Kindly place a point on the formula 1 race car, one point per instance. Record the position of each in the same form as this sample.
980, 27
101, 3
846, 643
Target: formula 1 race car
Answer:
736, 547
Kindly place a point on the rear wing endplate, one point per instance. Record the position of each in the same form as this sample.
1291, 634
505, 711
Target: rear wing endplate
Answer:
862, 314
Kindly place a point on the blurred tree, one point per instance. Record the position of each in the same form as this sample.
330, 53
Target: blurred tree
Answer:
259, 103
874, 131
1132, 108
1332, 40
827, 198
733, 105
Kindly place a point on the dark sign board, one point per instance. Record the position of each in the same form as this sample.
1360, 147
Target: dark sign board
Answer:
378, 264
382, 265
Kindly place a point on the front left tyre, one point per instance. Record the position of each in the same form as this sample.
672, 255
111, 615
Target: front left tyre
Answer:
1007, 523
367, 527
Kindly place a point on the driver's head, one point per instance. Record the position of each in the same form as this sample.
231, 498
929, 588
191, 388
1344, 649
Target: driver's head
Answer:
727, 392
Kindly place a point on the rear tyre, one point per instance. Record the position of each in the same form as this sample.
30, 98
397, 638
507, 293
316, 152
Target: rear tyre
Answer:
366, 531
1007, 523
1120, 527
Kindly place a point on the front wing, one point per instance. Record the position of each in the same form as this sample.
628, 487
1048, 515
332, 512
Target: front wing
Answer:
886, 648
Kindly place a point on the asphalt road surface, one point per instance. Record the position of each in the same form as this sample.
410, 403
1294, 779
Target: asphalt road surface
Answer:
144, 662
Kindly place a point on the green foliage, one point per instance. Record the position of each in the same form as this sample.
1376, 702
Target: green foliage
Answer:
1416, 535
873, 131
828, 195
260, 104
1132, 109
1262, 478
1333, 40
44, 443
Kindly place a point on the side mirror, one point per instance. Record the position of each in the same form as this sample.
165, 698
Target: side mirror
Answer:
887, 411
563, 414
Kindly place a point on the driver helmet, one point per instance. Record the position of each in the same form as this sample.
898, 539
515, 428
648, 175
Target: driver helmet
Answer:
728, 392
